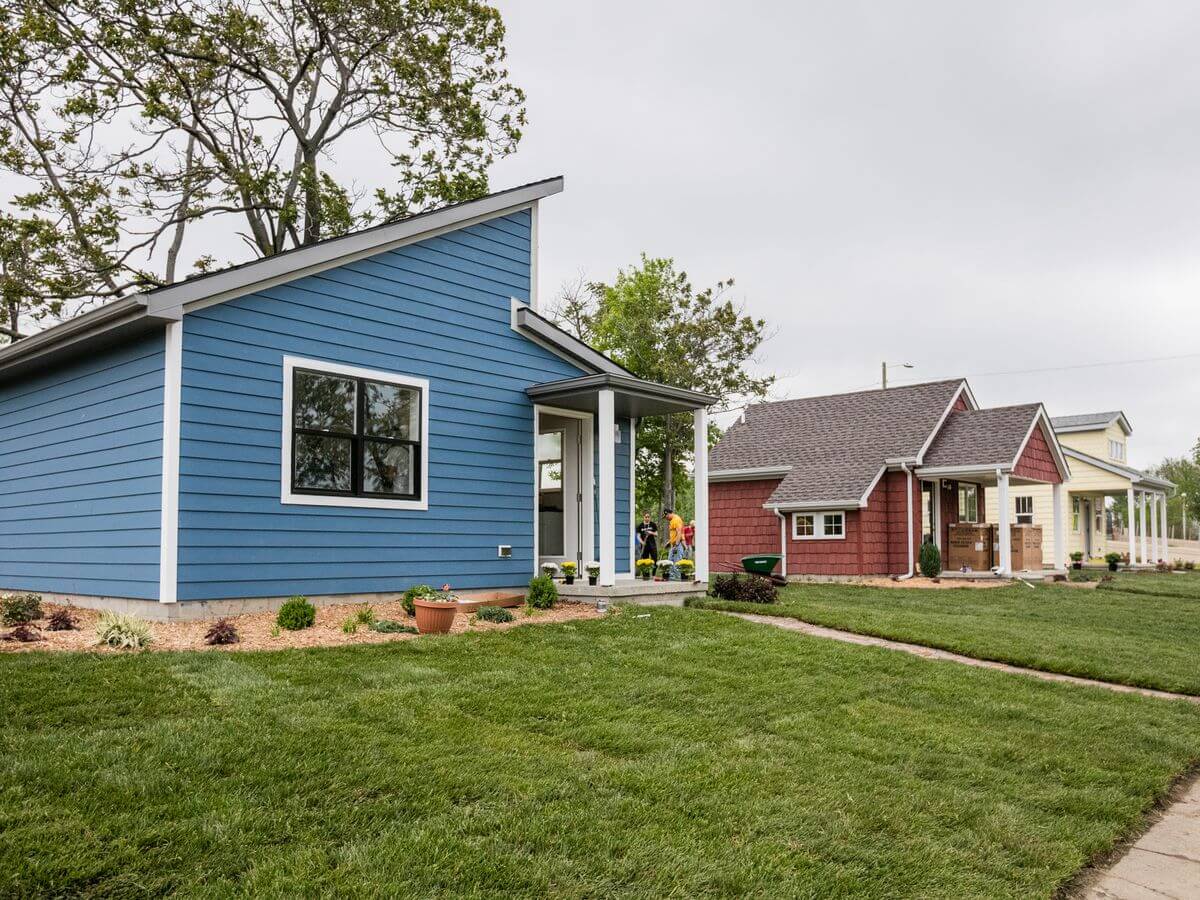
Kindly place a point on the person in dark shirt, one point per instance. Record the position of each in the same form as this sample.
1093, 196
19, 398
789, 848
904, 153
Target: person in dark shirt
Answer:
647, 538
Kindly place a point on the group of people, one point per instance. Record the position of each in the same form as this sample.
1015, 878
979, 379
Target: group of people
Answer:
680, 537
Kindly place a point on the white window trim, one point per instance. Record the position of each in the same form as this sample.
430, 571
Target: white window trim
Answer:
1017, 509
290, 364
1116, 450
818, 526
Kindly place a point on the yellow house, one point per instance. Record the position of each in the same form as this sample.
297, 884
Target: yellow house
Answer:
1097, 449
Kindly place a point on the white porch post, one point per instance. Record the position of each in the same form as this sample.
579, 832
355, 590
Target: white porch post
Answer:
1162, 509
1005, 536
608, 489
1059, 560
1142, 529
1129, 526
700, 479
1154, 554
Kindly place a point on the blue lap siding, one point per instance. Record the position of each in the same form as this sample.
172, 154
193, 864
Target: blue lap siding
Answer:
439, 309
81, 475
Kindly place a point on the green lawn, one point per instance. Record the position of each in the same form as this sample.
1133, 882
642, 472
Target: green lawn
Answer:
1114, 635
1174, 584
671, 753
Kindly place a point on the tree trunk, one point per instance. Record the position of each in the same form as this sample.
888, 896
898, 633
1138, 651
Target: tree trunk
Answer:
312, 199
668, 470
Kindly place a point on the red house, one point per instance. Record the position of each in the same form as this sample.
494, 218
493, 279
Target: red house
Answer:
852, 484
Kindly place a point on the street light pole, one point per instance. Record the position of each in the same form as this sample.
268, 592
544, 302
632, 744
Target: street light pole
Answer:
884, 366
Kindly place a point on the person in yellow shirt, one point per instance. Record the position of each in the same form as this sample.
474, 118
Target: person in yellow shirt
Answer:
675, 548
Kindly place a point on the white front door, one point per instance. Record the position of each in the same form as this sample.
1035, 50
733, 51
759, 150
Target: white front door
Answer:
564, 488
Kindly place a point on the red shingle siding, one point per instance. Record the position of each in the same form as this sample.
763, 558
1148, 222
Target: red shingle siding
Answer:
737, 523
874, 543
960, 405
1036, 460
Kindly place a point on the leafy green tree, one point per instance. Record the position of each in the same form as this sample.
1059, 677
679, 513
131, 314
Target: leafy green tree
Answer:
129, 124
653, 322
1185, 473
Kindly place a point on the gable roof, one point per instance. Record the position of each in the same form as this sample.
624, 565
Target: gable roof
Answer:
1135, 476
1091, 421
834, 448
982, 437
139, 313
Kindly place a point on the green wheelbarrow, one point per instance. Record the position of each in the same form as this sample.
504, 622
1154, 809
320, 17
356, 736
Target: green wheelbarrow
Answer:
763, 564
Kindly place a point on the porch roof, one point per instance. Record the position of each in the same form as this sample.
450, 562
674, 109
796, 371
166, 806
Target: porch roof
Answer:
632, 397
1137, 478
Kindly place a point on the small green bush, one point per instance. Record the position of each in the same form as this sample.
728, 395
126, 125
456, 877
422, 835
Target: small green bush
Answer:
494, 614
17, 609
423, 591
296, 614
931, 560
350, 625
123, 632
365, 615
391, 626
542, 592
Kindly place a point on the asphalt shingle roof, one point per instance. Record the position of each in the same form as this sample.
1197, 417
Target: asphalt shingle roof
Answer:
981, 437
835, 444
1098, 419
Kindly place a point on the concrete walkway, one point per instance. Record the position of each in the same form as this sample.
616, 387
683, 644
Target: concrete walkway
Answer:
850, 637
1163, 864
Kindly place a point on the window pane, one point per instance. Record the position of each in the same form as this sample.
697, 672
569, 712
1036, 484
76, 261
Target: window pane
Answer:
549, 445
322, 463
551, 475
392, 411
804, 525
323, 402
387, 468
833, 524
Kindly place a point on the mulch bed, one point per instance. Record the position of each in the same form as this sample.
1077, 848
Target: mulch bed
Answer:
255, 629
943, 584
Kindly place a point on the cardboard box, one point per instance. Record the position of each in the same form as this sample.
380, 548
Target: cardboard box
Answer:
1026, 548
970, 545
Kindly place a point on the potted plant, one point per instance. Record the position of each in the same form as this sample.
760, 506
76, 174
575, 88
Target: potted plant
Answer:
645, 568
1113, 560
549, 570
435, 612
593, 570
687, 570
1076, 559
568, 570
665, 568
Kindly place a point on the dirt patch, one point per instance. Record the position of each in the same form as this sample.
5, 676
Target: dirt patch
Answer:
255, 630
940, 585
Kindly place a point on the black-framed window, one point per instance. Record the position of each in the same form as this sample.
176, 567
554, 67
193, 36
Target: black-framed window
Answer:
355, 437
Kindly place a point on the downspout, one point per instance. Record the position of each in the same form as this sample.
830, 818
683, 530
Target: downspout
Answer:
782, 543
909, 514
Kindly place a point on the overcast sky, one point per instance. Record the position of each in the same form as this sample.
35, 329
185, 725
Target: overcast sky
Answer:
973, 188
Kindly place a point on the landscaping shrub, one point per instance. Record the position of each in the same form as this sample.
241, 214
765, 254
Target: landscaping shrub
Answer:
17, 609
24, 633
350, 625
391, 626
743, 589
365, 615
494, 614
931, 560
542, 592
1189, 565
424, 591
62, 620
296, 614
123, 632
221, 631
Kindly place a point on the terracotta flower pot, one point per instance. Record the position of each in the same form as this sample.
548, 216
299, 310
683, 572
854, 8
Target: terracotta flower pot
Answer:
434, 617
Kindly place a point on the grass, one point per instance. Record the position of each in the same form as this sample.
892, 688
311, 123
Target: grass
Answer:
1112, 634
1155, 584
672, 754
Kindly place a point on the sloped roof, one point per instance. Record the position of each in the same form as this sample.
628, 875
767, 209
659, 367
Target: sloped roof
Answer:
836, 445
1135, 476
982, 437
1088, 421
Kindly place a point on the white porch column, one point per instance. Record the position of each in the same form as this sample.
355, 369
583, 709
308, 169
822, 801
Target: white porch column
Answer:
1162, 512
1004, 538
608, 489
1154, 554
1129, 526
1142, 529
700, 480
1059, 560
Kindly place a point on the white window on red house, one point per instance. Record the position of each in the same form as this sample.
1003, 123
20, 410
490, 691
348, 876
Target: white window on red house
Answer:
1024, 510
817, 526
802, 526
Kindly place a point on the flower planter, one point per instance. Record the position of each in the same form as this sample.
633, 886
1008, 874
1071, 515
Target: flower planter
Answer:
646, 577
1076, 565
434, 617
592, 579
568, 579
1112, 567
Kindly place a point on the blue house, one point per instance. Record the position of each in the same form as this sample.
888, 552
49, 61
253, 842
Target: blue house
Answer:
349, 418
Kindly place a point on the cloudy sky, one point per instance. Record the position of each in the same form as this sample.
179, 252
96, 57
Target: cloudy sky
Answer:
972, 188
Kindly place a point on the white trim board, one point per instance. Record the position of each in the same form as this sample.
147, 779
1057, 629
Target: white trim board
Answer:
287, 497
168, 554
